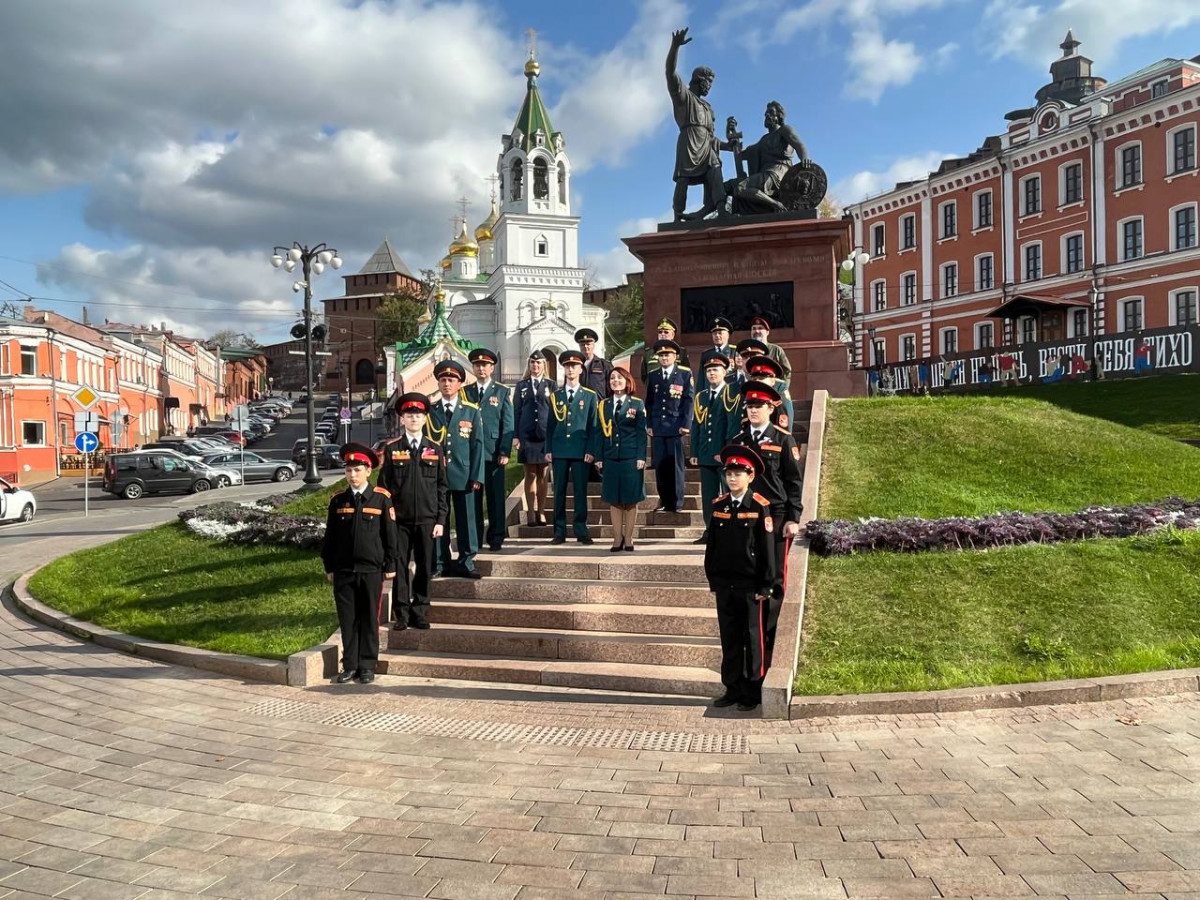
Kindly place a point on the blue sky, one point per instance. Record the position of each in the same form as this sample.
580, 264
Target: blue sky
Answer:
148, 171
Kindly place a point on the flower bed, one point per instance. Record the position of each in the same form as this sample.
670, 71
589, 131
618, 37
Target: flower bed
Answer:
909, 535
255, 523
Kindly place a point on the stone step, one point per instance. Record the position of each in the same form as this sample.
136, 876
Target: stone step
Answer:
544, 643
643, 533
561, 590
690, 502
689, 490
598, 515
675, 621
692, 681
597, 564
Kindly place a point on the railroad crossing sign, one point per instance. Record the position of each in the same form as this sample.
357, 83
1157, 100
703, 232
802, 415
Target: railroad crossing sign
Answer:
86, 442
87, 422
85, 397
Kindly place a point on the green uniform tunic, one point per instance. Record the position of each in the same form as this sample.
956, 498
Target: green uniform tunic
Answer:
716, 420
572, 432
623, 445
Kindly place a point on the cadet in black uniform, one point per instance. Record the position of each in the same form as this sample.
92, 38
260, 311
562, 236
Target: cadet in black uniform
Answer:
359, 554
739, 563
414, 471
779, 480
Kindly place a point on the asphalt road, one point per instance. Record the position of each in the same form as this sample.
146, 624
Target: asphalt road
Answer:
60, 517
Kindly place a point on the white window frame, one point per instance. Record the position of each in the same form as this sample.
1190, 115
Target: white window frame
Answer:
1019, 330
978, 281
1160, 88
916, 297
1173, 316
900, 357
1190, 126
879, 228
1121, 223
25, 348
975, 209
1025, 248
882, 282
42, 442
1062, 183
1072, 331
1062, 250
941, 222
900, 232
541, 241
878, 351
1025, 212
1195, 206
1119, 165
942, 332
1121, 324
978, 329
942, 280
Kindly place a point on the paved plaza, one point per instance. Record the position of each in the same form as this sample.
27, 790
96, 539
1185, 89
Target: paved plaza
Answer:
123, 778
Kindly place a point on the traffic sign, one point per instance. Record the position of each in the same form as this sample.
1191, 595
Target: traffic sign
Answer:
87, 421
86, 442
85, 397
240, 417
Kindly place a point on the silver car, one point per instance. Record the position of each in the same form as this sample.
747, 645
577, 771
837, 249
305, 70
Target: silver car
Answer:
257, 468
219, 476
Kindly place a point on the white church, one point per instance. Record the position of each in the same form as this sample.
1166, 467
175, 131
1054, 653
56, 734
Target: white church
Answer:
517, 287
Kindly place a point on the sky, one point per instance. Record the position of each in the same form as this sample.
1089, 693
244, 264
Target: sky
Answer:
152, 154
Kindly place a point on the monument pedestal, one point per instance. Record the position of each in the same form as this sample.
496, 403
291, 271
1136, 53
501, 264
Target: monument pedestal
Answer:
785, 270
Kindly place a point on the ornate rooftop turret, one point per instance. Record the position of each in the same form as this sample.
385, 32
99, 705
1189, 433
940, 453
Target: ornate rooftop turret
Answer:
463, 245
533, 117
484, 231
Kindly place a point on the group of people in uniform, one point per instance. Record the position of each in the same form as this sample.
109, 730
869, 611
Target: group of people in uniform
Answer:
447, 466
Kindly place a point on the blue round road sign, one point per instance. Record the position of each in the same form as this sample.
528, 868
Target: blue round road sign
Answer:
86, 442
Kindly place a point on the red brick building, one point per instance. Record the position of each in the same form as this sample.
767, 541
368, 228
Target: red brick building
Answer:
1085, 209
352, 339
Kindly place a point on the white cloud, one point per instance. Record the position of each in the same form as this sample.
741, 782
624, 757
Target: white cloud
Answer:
878, 64
608, 269
864, 184
1030, 32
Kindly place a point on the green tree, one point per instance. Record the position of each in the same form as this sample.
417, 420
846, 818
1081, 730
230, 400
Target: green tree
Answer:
239, 340
398, 315
626, 319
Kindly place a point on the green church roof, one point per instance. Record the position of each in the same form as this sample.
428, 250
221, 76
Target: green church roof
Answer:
533, 116
438, 330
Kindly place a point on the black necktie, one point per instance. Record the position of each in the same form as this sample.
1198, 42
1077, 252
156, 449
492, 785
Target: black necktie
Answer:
757, 436
617, 408
449, 410
737, 504
415, 442
570, 396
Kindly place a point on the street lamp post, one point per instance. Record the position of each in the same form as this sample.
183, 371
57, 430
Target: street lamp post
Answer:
312, 262
855, 260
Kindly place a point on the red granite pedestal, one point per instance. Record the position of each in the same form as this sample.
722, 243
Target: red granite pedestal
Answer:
804, 253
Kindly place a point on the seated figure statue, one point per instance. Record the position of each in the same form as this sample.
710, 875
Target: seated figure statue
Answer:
767, 162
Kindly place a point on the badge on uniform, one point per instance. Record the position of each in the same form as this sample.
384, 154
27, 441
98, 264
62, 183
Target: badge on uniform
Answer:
401, 455
494, 401
676, 391
464, 428
581, 404
428, 453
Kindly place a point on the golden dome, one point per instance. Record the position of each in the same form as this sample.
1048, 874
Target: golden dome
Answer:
463, 245
484, 231
445, 263
532, 67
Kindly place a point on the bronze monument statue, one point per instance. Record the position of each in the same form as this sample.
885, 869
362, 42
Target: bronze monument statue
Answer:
767, 182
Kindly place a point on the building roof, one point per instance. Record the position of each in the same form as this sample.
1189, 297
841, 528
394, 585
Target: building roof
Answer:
533, 116
1034, 304
385, 261
437, 330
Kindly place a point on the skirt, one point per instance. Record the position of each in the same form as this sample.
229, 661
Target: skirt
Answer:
622, 482
532, 453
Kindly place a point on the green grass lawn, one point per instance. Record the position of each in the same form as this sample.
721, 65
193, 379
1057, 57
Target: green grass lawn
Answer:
1168, 405
972, 455
895, 622
902, 622
171, 586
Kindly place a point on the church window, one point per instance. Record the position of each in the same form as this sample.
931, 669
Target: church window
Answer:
562, 183
541, 180
514, 179
541, 246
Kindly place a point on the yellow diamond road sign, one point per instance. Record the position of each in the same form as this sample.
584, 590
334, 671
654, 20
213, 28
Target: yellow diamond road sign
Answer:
85, 397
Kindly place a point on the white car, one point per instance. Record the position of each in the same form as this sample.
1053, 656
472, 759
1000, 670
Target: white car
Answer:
16, 504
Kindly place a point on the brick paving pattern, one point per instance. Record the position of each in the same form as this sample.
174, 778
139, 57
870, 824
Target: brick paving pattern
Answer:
123, 778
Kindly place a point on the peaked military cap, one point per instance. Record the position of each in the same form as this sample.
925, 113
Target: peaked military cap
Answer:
570, 356
665, 346
763, 365
413, 402
756, 392
738, 456
449, 367
586, 334
721, 322
482, 354
358, 454
665, 324
751, 347
712, 358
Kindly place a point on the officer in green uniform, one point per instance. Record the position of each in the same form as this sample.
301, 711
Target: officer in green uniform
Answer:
622, 456
496, 413
454, 425
716, 421
572, 443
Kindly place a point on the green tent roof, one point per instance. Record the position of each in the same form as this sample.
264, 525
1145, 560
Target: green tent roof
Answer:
438, 330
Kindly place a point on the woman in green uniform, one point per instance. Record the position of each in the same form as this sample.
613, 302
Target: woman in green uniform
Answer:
622, 456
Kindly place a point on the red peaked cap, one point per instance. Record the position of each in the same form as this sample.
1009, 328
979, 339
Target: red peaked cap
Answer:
757, 392
738, 456
357, 453
414, 402
763, 365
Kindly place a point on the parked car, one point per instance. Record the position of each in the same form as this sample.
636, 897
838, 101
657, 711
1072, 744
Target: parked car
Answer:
329, 457
130, 475
257, 468
302, 400
220, 476
16, 504
299, 448
233, 437
192, 448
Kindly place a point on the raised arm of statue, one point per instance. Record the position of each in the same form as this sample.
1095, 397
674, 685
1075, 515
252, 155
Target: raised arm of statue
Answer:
674, 84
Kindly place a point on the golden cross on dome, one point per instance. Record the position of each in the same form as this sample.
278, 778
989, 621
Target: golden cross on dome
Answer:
531, 34
463, 203
493, 179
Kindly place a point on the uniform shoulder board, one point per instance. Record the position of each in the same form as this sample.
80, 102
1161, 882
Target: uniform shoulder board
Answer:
684, 368
584, 387
383, 491
724, 496
761, 500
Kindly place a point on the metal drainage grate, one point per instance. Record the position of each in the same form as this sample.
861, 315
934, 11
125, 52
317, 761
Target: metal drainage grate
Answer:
555, 736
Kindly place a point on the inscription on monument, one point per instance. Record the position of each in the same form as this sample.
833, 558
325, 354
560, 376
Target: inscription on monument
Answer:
738, 303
